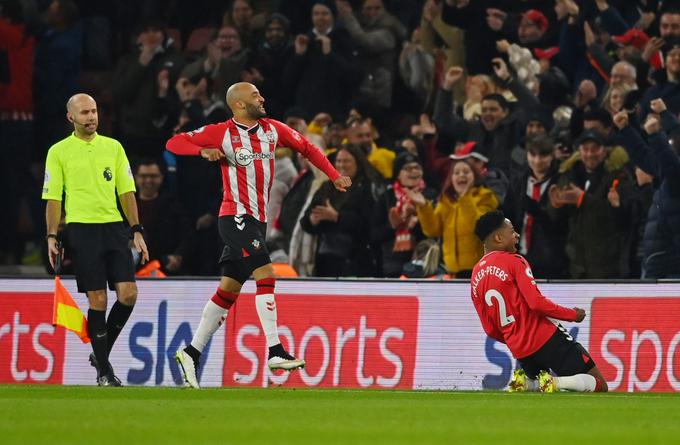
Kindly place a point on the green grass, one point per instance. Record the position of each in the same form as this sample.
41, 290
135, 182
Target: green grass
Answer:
90, 415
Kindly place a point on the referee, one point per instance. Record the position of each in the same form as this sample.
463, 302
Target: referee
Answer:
90, 170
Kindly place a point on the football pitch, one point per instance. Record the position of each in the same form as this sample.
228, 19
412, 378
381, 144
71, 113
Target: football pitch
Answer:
137, 415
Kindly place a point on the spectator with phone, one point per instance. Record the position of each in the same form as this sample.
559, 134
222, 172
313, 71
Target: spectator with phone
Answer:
595, 187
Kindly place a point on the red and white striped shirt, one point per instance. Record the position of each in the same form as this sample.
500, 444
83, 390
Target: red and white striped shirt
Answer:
248, 170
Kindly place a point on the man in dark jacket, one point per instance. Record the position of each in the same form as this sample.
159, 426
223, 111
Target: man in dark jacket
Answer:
542, 229
595, 186
268, 61
168, 231
138, 81
667, 81
499, 130
323, 72
661, 239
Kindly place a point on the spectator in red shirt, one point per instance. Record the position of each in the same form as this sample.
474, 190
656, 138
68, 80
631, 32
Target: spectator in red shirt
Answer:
513, 311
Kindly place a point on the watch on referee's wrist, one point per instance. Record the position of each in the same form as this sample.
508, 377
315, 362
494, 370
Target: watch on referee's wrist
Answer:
51, 235
137, 228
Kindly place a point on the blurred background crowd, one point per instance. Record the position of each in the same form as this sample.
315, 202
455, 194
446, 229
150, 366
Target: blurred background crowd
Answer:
563, 113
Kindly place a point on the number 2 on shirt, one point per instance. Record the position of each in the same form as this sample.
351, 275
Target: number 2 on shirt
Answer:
502, 314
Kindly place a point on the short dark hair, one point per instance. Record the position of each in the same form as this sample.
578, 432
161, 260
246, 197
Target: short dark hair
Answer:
150, 23
147, 161
540, 144
600, 115
489, 223
502, 101
670, 10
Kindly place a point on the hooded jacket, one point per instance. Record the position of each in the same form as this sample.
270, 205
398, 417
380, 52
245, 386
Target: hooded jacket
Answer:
600, 236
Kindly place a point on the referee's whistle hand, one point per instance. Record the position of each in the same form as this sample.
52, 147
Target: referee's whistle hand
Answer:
212, 154
342, 183
140, 245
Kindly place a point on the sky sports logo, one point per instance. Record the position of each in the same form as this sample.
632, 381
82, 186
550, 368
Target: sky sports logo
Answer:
347, 341
31, 349
635, 342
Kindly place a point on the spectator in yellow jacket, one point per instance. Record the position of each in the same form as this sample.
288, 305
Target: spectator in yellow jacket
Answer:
453, 218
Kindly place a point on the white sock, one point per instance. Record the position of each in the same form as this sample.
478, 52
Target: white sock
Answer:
532, 385
266, 310
578, 382
212, 318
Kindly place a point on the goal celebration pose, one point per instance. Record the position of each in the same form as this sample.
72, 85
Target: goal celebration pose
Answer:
513, 311
244, 147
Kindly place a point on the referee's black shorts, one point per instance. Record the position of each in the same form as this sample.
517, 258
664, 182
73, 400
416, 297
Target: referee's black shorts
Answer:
101, 254
245, 248
561, 354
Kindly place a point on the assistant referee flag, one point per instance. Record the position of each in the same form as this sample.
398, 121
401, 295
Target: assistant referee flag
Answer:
67, 313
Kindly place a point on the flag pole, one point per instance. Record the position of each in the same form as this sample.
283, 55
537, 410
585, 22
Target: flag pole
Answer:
66, 312
57, 260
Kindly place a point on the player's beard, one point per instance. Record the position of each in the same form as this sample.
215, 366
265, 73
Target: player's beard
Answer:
254, 111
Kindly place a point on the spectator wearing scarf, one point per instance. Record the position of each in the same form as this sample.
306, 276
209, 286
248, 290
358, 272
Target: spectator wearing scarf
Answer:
394, 223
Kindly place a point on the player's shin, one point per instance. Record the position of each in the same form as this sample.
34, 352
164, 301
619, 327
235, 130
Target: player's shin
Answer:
214, 314
578, 382
266, 309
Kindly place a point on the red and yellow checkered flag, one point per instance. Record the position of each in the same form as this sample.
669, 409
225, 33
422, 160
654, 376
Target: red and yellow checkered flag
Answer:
67, 313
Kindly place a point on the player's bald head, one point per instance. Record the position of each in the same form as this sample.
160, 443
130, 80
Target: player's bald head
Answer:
245, 101
79, 101
239, 91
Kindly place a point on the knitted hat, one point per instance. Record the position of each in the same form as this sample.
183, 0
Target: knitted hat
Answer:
402, 159
537, 18
591, 135
330, 4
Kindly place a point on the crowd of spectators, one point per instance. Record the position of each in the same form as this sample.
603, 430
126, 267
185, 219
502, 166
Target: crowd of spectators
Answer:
563, 113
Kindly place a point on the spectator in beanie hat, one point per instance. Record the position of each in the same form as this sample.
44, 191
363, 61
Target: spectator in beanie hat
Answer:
394, 223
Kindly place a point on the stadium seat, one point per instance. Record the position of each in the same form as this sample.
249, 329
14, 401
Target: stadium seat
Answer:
198, 39
176, 36
284, 270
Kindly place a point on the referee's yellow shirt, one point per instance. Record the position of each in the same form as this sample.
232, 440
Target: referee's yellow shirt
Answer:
90, 174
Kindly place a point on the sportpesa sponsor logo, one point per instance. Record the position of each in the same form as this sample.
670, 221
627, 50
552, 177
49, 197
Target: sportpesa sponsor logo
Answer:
245, 157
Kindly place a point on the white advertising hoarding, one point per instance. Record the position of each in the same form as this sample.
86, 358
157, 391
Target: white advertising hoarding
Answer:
353, 334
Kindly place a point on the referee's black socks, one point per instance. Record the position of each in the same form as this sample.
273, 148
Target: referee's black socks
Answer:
96, 326
114, 324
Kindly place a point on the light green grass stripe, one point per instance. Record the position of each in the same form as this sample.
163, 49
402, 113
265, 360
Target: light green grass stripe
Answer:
90, 415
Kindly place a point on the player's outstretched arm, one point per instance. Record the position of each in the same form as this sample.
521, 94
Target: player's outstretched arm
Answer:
342, 183
194, 142
533, 296
288, 137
